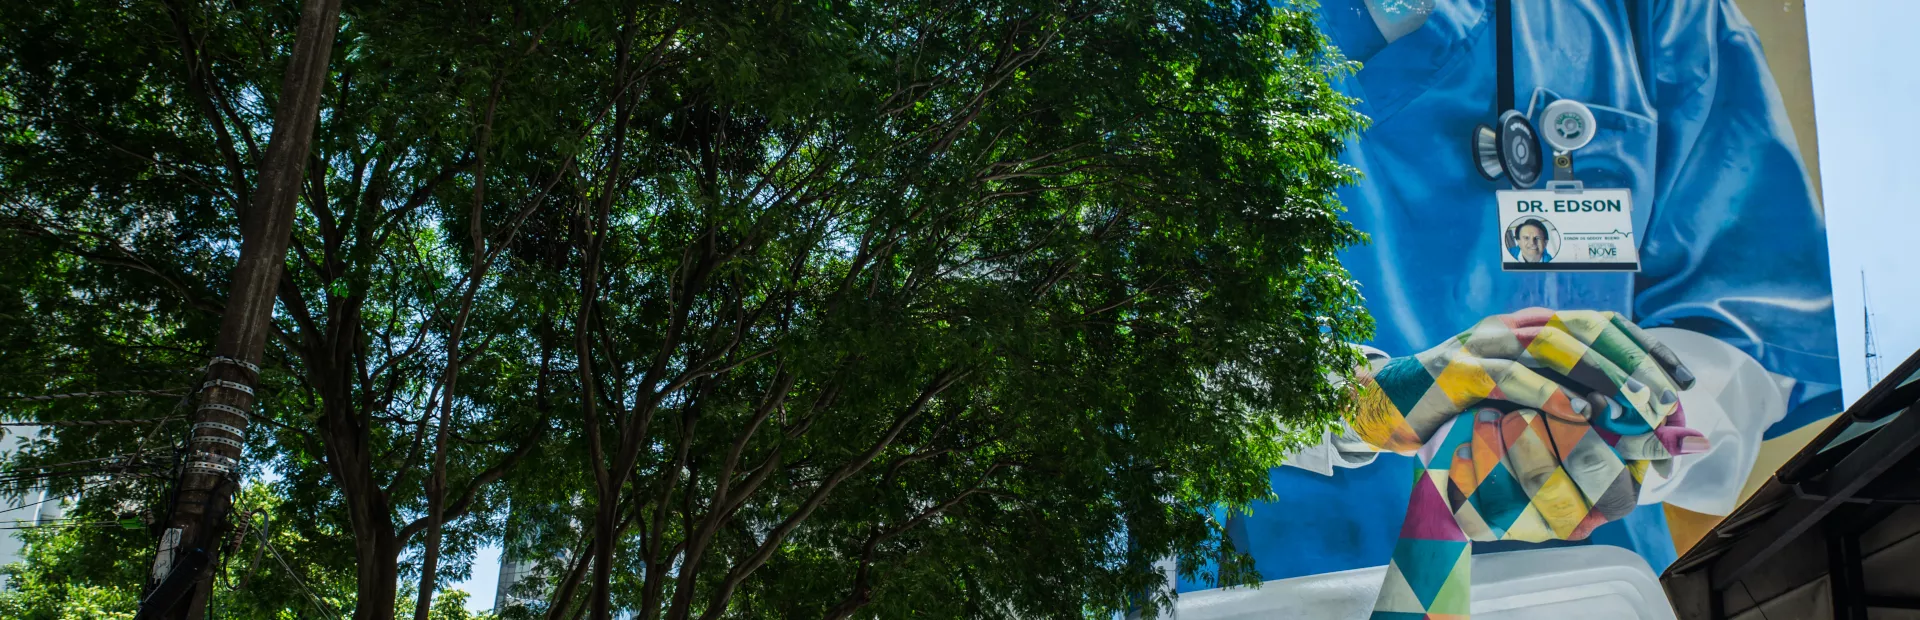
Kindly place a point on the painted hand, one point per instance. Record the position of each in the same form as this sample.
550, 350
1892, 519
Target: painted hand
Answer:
1523, 475
1531, 426
1519, 475
1576, 366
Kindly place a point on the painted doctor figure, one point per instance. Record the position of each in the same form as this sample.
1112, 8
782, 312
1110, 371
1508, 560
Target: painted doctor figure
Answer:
1530, 242
1730, 317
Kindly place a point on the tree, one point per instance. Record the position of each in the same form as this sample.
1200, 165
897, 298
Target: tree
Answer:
203, 487
753, 310
982, 267
361, 330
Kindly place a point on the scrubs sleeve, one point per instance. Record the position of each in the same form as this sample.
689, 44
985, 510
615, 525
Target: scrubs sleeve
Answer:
1343, 448
1735, 246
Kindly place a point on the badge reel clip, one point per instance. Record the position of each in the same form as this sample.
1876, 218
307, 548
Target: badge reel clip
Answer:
1512, 150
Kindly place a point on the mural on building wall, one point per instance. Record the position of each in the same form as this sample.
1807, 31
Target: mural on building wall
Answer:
1536, 383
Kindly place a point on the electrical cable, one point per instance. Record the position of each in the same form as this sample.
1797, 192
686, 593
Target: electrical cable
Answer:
92, 460
120, 524
75, 523
86, 422
116, 462
321, 606
73, 474
85, 487
139, 447
88, 487
240, 536
266, 525
99, 394
102, 373
57, 525
128, 460
134, 462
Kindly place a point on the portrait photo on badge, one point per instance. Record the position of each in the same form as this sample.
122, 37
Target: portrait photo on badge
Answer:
1531, 240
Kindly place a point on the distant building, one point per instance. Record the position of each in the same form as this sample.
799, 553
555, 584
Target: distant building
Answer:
20, 511
512, 570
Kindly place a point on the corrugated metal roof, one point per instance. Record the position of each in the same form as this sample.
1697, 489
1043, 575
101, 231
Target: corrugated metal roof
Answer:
1822, 475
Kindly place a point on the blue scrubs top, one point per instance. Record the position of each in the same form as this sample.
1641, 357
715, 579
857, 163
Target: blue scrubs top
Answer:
1731, 239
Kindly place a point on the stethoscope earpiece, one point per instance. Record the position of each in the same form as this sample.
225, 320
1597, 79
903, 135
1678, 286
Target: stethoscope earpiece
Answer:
1511, 150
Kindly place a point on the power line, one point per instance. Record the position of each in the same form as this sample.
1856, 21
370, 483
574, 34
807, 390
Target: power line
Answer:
120, 524
98, 394
321, 606
133, 462
89, 422
55, 498
129, 458
65, 473
114, 466
93, 373
85, 487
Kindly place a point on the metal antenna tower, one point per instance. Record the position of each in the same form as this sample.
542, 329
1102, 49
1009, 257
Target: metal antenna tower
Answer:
1873, 352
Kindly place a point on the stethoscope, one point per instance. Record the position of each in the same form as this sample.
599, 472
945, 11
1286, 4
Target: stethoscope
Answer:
1511, 146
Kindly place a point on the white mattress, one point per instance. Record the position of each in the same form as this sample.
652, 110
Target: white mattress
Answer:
1591, 582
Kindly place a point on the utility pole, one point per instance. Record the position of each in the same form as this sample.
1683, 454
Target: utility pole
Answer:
203, 486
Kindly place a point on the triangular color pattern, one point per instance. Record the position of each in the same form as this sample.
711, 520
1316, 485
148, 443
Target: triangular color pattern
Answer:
1396, 596
1456, 595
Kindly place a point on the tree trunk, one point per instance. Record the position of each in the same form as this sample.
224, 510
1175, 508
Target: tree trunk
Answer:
563, 594
608, 483
376, 544
436, 506
476, 271
604, 526
204, 488
378, 573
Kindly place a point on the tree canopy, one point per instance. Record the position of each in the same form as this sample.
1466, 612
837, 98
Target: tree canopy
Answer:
699, 310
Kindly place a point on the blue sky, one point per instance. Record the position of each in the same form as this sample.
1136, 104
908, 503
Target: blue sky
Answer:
1864, 87
486, 575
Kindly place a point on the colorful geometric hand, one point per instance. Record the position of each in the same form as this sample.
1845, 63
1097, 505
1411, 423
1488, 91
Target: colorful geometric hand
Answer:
1543, 425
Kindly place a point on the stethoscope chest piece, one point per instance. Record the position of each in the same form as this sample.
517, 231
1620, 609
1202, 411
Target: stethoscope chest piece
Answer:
1510, 149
